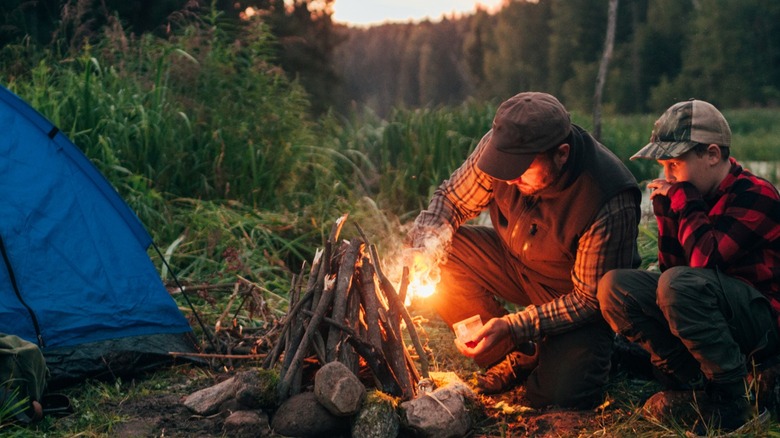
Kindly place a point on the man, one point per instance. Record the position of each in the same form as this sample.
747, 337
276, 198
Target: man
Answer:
711, 309
564, 211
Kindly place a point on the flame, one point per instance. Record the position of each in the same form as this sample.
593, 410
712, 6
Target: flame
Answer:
422, 283
422, 263
421, 289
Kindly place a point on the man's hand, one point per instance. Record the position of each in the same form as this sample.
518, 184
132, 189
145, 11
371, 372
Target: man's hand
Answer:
659, 187
488, 337
429, 238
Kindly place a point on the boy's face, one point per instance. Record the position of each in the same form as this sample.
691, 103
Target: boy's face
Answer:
689, 167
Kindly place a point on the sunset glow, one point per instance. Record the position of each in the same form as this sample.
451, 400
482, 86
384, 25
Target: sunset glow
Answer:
372, 12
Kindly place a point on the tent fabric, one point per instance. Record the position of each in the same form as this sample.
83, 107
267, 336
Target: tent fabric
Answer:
117, 357
75, 267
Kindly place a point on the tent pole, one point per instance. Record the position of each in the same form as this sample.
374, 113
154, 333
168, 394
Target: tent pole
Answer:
187, 298
12, 278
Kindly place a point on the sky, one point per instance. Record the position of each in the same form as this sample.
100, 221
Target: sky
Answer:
372, 12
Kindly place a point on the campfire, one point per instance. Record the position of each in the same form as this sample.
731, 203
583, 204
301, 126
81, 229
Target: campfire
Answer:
344, 333
348, 291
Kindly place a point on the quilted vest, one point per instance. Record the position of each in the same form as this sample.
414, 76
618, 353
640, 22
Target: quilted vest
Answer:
542, 231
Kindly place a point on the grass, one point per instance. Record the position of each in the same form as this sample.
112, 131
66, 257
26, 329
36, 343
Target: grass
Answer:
102, 409
10, 403
98, 405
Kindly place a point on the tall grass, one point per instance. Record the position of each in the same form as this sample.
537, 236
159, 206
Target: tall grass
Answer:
413, 151
755, 133
625, 135
223, 240
195, 115
202, 134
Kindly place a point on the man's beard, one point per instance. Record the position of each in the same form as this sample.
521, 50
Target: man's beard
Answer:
551, 178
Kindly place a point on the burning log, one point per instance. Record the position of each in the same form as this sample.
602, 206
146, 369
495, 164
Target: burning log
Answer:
350, 313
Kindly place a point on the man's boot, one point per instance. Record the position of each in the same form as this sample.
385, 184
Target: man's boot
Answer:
512, 370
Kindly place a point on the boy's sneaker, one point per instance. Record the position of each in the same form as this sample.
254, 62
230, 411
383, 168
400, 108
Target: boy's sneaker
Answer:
511, 371
727, 406
766, 381
722, 406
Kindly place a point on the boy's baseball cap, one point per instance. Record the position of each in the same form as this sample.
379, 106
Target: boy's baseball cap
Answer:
683, 126
525, 125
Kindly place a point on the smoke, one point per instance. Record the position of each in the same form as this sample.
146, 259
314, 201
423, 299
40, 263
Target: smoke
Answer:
423, 252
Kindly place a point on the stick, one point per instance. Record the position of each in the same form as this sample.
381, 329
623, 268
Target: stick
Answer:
274, 355
370, 302
347, 269
374, 358
284, 335
233, 296
399, 308
328, 256
394, 349
218, 356
319, 313
347, 354
402, 289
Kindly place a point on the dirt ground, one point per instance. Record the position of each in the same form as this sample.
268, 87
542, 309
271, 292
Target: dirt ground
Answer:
151, 405
164, 415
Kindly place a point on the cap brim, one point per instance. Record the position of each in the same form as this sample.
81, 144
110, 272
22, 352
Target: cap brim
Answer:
663, 150
504, 166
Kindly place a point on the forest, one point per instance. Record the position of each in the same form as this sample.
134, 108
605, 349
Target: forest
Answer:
723, 51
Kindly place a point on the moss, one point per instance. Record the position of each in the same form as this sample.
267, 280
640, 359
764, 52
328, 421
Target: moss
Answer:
378, 418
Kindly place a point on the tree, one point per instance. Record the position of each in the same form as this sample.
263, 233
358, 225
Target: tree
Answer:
306, 39
733, 55
605, 58
442, 75
576, 35
477, 41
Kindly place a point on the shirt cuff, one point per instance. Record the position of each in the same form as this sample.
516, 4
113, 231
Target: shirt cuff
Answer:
680, 195
523, 325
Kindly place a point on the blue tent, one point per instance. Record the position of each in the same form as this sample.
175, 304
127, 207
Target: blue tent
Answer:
75, 276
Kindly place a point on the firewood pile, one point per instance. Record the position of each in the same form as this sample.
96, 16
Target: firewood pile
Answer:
350, 312
344, 332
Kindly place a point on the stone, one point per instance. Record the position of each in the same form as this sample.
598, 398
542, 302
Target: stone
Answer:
377, 418
339, 389
230, 406
257, 388
302, 415
249, 424
442, 413
207, 401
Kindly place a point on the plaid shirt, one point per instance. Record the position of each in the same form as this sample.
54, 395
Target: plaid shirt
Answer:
737, 230
607, 244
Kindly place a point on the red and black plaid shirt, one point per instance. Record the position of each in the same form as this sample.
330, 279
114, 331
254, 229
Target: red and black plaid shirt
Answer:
737, 230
